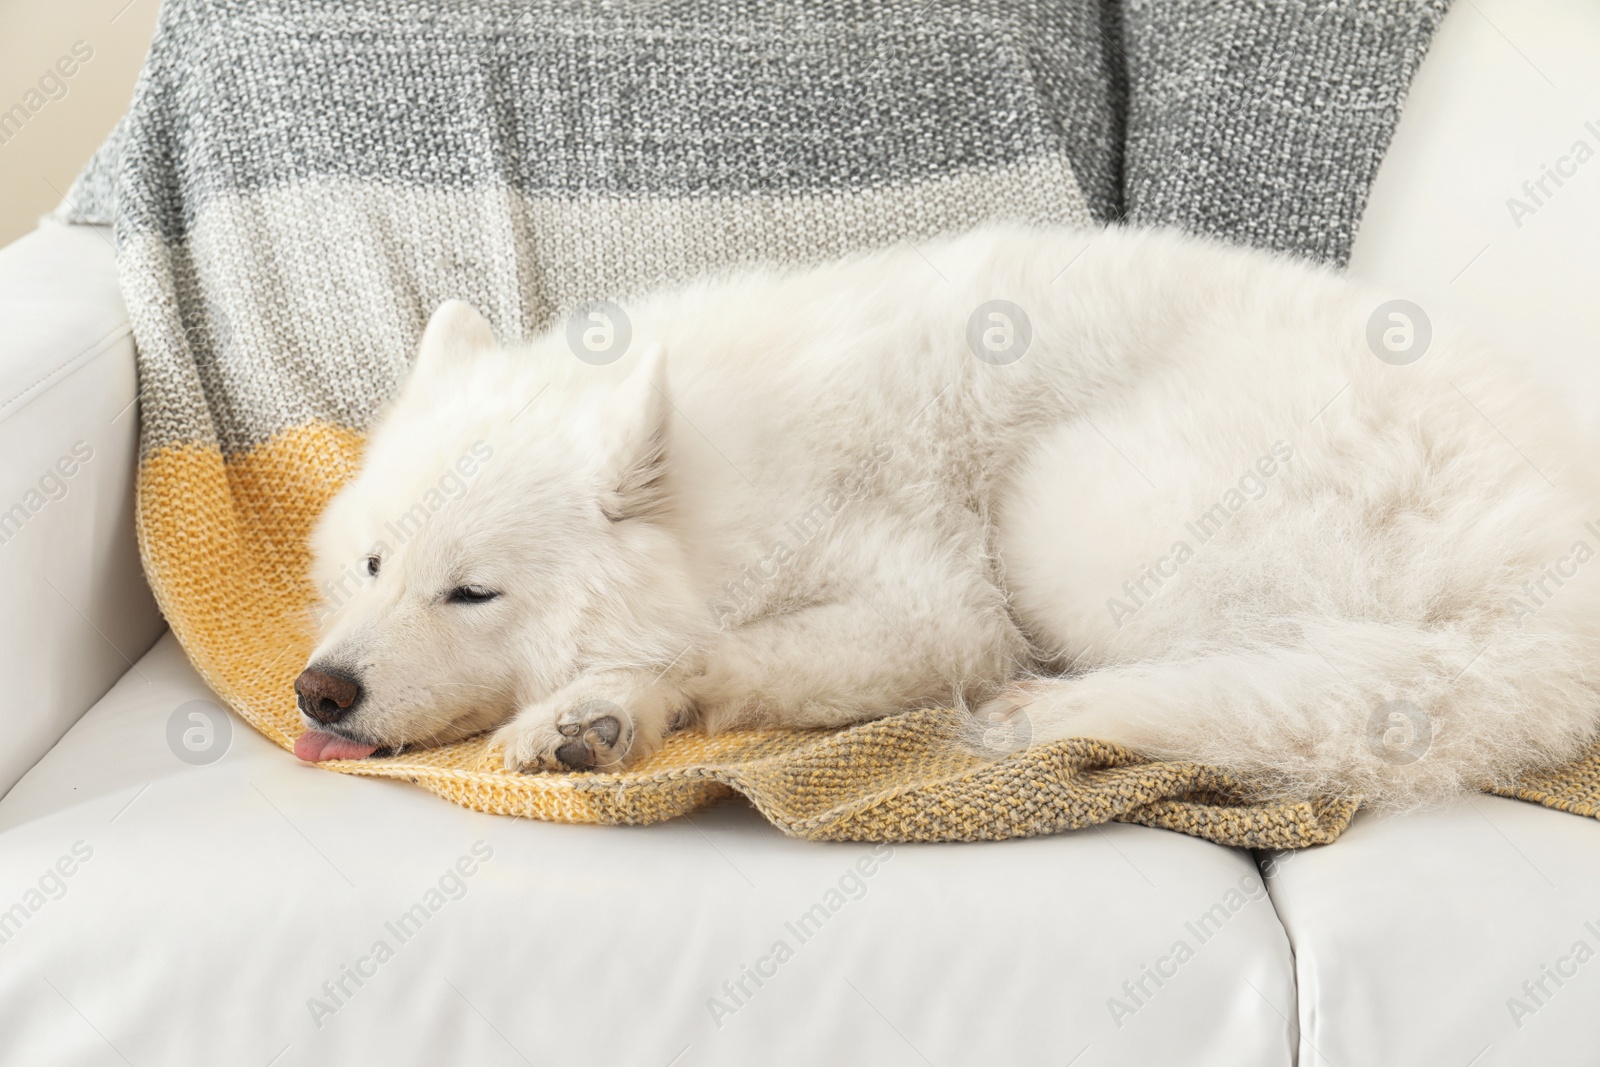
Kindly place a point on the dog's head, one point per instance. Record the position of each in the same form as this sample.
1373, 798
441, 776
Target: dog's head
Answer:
506, 526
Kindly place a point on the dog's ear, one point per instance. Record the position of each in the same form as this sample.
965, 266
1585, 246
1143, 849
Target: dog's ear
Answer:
636, 464
456, 335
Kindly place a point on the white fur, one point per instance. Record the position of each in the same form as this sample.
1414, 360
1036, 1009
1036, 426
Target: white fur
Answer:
820, 507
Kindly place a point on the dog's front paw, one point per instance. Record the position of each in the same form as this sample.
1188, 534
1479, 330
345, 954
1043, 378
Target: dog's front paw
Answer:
580, 730
594, 734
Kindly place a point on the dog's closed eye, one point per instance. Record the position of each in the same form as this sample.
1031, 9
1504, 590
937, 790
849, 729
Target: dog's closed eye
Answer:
470, 594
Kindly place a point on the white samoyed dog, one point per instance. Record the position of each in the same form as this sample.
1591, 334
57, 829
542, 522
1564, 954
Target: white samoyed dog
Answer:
1202, 502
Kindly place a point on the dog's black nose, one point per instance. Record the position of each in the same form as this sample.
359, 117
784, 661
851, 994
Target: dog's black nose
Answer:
326, 696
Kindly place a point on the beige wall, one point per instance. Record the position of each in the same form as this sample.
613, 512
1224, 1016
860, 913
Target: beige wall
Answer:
68, 115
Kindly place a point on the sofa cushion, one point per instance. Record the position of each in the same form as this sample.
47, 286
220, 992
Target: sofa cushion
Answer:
1468, 935
204, 908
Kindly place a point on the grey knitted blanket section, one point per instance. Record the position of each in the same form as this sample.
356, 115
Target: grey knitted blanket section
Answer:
298, 183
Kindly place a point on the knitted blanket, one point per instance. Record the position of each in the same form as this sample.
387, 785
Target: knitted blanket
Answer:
298, 183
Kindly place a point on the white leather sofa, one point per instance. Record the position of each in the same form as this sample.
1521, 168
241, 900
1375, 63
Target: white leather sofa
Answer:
155, 910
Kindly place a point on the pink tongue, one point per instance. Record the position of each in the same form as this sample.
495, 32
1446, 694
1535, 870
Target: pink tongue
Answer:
314, 746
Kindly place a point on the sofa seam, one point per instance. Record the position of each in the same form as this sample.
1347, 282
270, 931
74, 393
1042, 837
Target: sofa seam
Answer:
1294, 1019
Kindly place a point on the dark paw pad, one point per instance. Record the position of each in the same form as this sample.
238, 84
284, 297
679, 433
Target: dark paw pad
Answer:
595, 729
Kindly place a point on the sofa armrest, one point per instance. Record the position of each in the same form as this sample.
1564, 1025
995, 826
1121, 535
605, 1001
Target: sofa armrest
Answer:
75, 612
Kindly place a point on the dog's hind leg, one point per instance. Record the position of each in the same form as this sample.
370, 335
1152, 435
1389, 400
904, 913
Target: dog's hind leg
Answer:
1396, 714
